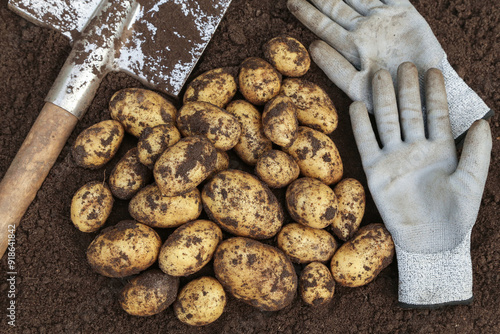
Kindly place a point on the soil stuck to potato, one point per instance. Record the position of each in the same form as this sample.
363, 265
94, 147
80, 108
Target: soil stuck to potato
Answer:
57, 291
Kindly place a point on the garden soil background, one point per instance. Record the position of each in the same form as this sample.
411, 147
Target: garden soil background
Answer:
57, 292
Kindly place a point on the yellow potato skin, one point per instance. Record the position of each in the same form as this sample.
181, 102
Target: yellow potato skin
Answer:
316, 284
91, 206
361, 259
258, 81
279, 121
351, 208
256, 273
277, 169
154, 141
287, 55
216, 86
128, 176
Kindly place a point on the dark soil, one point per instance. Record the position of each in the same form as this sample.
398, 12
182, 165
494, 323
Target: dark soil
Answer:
57, 292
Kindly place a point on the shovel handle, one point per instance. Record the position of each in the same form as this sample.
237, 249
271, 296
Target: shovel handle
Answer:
30, 167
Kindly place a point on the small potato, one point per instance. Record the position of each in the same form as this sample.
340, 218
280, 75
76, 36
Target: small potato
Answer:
149, 293
287, 55
124, 249
242, 204
154, 141
253, 142
316, 155
203, 118
311, 202
137, 109
258, 80
305, 244
128, 176
150, 207
91, 206
279, 121
97, 144
183, 166
316, 284
189, 248
351, 208
315, 109
361, 259
256, 273
200, 302
216, 86
277, 169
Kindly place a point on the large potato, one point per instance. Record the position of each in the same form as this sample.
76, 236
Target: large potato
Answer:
258, 80
351, 208
316, 284
203, 118
287, 55
256, 273
189, 248
124, 249
279, 121
150, 207
137, 109
154, 141
97, 144
128, 176
216, 86
361, 259
276, 168
242, 204
91, 206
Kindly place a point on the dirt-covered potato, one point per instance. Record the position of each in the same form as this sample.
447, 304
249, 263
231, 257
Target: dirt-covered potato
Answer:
154, 141
305, 244
200, 302
258, 80
137, 109
316, 155
242, 204
256, 273
315, 109
128, 176
277, 168
253, 142
189, 247
316, 284
279, 121
287, 55
183, 166
124, 249
97, 144
149, 293
311, 202
150, 207
361, 259
91, 206
216, 86
203, 118
351, 208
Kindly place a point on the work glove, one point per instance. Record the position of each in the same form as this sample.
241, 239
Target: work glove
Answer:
359, 37
427, 199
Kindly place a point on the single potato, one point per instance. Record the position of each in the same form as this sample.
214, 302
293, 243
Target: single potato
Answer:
279, 121
154, 141
277, 169
91, 206
351, 208
258, 80
316, 284
287, 55
216, 86
128, 176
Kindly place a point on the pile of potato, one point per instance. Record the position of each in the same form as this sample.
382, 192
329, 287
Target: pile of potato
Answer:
178, 177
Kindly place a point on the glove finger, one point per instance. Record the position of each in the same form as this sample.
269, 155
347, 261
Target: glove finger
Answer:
393, 2
438, 120
385, 108
339, 11
410, 107
363, 133
364, 6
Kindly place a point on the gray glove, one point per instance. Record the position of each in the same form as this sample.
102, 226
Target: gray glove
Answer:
427, 199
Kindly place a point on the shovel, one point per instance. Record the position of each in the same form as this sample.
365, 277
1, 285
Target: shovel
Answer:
157, 42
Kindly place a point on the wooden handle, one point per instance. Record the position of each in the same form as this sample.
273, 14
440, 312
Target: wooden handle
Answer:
31, 165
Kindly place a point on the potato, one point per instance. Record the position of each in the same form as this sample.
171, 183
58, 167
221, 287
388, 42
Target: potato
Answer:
150, 207
98, 144
216, 86
304, 244
154, 141
258, 80
279, 121
316, 284
315, 109
128, 176
91, 206
137, 109
149, 293
253, 142
361, 259
316, 155
124, 249
277, 169
189, 248
200, 302
242, 204
256, 273
203, 118
183, 166
287, 55
351, 208
311, 202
